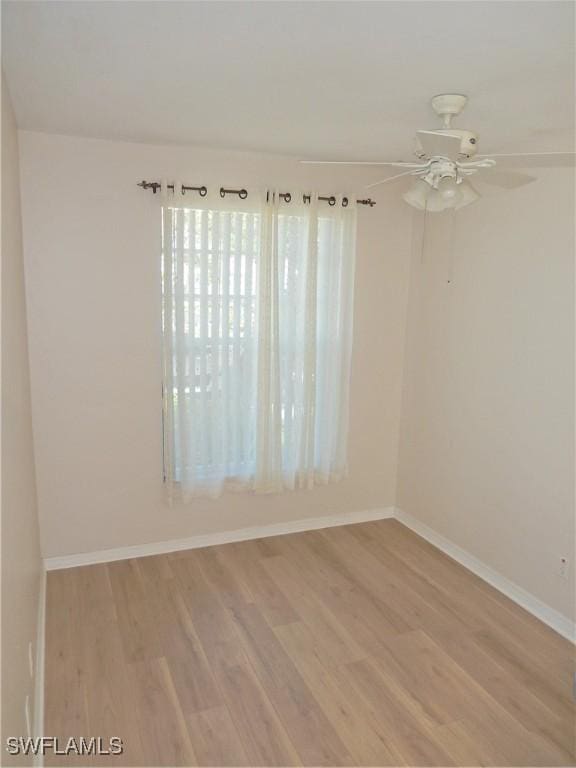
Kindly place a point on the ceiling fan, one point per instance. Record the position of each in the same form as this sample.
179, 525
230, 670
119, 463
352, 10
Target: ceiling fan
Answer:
446, 158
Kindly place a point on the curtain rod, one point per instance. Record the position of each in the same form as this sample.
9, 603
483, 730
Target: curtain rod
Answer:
243, 194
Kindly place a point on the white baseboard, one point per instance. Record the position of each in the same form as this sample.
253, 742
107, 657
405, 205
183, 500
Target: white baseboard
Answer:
532, 604
211, 539
38, 727
528, 601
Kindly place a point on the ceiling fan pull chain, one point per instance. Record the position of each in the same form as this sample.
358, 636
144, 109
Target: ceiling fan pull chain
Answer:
451, 247
416, 241
424, 222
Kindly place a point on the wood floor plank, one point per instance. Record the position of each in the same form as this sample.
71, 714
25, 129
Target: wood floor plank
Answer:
496, 739
215, 738
263, 736
339, 644
526, 663
193, 679
270, 546
136, 620
359, 729
495, 616
409, 731
97, 600
492, 607
443, 608
229, 589
66, 712
338, 587
163, 729
361, 618
554, 727
313, 736
443, 690
402, 572
378, 575
244, 560
110, 695
358, 645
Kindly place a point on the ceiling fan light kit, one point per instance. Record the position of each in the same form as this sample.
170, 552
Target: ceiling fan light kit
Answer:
468, 195
424, 197
448, 156
450, 191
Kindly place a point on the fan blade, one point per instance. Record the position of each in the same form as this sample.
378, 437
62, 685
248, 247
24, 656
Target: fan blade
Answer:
534, 159
439, 144
390, 178
397, 164
504, 179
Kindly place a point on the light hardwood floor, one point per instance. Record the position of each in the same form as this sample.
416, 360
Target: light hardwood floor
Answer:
359, 645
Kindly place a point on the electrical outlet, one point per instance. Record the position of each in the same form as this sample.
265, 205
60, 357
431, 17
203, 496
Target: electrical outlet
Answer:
27, 716
563, 568
31, 659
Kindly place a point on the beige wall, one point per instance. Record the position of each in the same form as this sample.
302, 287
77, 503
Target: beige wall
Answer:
92, 255
21, 564
487, 449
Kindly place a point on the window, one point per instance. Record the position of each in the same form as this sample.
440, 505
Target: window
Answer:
256, 312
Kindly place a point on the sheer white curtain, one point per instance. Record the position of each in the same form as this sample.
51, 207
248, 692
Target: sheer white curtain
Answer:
257, 322
209, 277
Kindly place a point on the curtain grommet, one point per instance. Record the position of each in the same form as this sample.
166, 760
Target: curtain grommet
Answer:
242, 193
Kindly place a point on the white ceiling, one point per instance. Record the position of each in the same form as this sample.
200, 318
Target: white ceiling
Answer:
311, 79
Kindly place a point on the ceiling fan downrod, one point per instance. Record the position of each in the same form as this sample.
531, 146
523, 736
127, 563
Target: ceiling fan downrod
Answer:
448, 105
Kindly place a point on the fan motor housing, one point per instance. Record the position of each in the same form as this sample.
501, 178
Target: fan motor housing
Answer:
468, 142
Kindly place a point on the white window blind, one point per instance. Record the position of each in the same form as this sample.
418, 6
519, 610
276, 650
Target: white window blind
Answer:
257, 327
